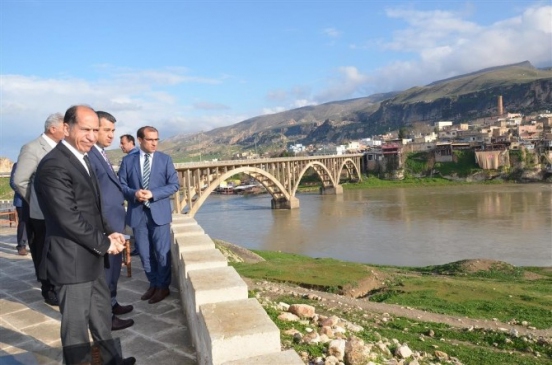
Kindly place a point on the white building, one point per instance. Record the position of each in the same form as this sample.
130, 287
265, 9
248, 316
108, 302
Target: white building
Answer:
442, 124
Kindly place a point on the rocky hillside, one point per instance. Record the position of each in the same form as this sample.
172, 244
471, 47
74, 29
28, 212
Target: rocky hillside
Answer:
523, 87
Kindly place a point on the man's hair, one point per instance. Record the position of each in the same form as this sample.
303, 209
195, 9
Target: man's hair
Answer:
106, 116
52, 120
129, 138
71, 114
140, 132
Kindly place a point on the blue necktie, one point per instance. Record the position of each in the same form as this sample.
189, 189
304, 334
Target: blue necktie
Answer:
146, 175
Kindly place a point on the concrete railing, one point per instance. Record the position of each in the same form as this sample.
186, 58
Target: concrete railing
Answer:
226, 326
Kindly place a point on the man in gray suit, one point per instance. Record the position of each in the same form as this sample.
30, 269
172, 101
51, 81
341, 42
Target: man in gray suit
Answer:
27, 162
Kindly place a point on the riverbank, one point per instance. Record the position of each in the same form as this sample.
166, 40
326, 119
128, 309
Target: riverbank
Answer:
477, 311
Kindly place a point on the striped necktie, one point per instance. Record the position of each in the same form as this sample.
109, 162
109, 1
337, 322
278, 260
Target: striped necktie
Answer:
146, 175
107, 159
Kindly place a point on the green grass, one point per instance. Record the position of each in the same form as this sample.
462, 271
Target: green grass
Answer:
314, 273
501, 292
374, 182
475, 298
6, 192
474, 347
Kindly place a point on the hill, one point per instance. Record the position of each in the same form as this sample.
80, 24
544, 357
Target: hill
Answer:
523, 87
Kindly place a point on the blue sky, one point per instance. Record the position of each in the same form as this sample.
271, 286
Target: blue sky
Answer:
190, 66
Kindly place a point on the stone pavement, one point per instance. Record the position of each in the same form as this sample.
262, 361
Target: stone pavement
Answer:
29, 328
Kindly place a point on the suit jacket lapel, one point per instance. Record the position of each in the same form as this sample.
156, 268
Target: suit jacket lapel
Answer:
45, 145
108, 169
88, 177
137, 168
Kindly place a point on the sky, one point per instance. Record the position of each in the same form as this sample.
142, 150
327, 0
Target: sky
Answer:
191, 66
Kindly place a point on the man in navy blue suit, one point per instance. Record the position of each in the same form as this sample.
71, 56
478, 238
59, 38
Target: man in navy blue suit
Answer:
114, 213
149, 180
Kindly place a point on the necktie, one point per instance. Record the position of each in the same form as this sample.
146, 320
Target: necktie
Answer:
146, 175
92, 175
106, 159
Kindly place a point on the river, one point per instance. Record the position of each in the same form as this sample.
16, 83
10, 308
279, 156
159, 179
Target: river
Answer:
414, 226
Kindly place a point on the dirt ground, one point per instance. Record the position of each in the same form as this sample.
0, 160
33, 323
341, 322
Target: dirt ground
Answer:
345, 303
352, 297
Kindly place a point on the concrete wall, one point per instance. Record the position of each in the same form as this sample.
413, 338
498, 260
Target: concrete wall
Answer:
227, 327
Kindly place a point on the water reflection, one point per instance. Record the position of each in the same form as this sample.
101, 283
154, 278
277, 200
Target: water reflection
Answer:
410, 227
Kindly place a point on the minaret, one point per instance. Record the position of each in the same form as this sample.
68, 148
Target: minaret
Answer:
500, 108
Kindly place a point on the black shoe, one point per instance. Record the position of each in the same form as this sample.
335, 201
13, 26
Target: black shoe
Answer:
119, 310
51, 298
134, 252
120, 324
129, 361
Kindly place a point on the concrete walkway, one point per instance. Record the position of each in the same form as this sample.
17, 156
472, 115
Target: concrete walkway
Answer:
29, 328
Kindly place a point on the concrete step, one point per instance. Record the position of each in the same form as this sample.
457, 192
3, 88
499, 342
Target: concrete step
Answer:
182, 218
221, 284
288, 357
189, 230
183, 222
235, 330
187, 261
193, 243
200, 260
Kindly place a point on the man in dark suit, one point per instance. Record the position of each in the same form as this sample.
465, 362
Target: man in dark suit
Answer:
127, 144
27, 162
149, 180
113, 203
77, 239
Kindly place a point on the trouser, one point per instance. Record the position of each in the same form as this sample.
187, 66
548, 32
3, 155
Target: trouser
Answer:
21, 229
112, 275
154, 249
87, 306
36, 231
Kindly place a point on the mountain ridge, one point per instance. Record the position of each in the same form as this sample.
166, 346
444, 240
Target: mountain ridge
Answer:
524, 88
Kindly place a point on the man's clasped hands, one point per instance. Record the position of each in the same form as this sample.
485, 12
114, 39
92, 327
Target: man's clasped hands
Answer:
117, 243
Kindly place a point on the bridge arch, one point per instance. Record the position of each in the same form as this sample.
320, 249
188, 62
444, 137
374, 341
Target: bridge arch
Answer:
280, 177
271, 184
351, 167
321, 170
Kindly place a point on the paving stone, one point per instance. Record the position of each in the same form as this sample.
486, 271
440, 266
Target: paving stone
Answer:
141, 348
47, 332
171, 357
29, 328
29, 296
25, 318
14, 286
8, 306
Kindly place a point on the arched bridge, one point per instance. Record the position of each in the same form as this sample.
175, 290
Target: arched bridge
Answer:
279, 176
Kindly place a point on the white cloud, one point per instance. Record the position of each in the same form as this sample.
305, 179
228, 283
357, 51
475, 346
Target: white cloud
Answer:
347, 83
135, 98
205, 105
332, 32
438, 44
303, 102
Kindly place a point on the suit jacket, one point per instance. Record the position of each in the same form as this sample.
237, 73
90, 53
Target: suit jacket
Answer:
17, 198
113, 201
163, 184
27, 162
76, 233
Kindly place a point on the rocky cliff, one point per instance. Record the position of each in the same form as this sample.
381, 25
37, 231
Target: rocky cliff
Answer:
523, 88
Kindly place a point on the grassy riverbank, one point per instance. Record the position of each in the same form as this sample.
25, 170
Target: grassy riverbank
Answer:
480, 290
6, 192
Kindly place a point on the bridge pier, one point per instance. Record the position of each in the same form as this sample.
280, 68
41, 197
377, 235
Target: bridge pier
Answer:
293, 203
331, 190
